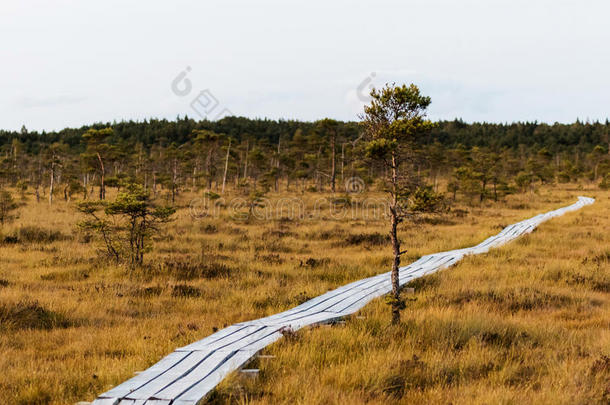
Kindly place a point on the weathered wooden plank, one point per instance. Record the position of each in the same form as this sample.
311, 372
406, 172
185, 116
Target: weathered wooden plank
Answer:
157, 402
210, 345
136, 382
264, 341
261, 333
317, 304
155, 385
106, 401
211, 367
202, 387
364, 297
313, 319
132, 402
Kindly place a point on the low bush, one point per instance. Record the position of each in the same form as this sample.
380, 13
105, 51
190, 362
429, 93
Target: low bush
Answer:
190, 267
371, 239
34, 234
185, 291
30, 315
146, 292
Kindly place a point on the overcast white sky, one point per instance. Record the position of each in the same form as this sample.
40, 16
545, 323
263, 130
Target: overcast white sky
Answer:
68, 63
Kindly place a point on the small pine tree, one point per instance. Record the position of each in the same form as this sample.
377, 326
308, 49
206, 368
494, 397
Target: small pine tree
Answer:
393, 122
126, 225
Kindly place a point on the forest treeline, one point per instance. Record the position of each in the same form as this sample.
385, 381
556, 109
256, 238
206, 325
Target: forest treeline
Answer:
476, 161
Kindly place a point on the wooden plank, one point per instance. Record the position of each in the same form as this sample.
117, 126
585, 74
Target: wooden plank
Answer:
136, 382
264, 341
317, 304
201, 388
260, 334
106, 401
213, 367
155, 385
313, 319
364, 297
210, 345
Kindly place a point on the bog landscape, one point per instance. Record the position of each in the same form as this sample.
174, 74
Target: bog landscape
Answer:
304, 202
123, 242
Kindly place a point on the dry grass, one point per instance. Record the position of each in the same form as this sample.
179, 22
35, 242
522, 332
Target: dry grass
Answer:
527, 323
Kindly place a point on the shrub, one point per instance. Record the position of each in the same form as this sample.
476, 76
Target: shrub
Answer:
313, 262
30, 315
271, 258
148, 292
209, 229
185, 291
34, 234
374, 239
189, 268
276, 234
10, 239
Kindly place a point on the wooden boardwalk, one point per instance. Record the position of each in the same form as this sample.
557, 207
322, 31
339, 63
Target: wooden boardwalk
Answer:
187, 375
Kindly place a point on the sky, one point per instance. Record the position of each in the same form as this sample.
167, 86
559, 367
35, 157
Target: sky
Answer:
70, 63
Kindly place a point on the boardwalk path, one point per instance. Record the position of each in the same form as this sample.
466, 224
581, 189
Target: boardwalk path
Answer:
187, 375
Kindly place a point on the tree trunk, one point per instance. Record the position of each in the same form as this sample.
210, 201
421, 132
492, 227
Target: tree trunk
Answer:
102, 177
343, 163
174, 177
224, 176
154, 185
85, 184
246, 163
333, 168
208, 167
395, 243
51, 186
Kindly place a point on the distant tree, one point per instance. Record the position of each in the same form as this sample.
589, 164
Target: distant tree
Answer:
173, 159
394, 122
126, 225
437, 158
56, 152
226, 165
523, 181
597, 156
468, 181
207, 141
540, 166
258, 163
484, 161
7, 207
98, 153
329, 128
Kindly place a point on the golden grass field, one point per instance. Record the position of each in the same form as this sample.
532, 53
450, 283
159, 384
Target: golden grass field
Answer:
528, 323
